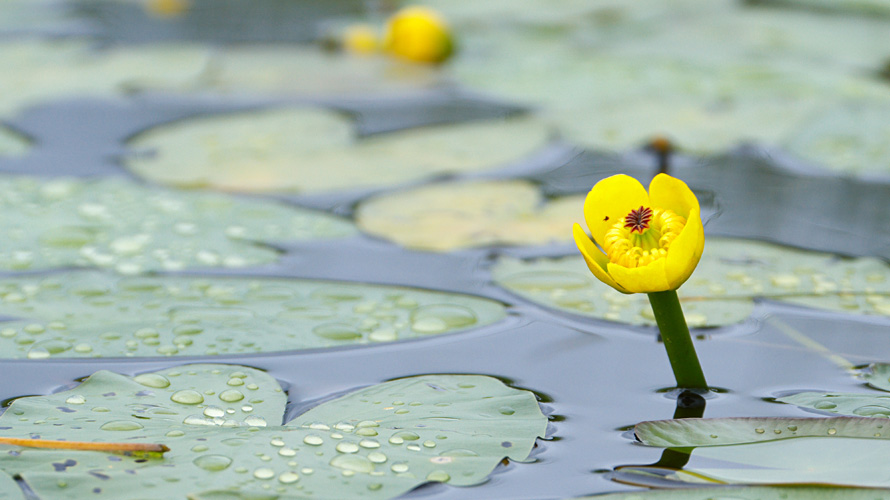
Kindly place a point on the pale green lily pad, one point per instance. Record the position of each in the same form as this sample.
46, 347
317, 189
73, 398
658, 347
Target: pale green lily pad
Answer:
12, 144
697, 432
284, 150
831, 461
95, 314
878, 376
851, 139
42, 70
834, 451
9, 489
867, 7
377, 442
629, 72
752, 493
452, 216
843, 403
132, 228
731, 274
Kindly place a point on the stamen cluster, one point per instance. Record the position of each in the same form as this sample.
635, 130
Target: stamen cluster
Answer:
643, 237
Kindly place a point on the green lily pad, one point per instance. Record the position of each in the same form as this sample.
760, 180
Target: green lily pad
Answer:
42, 70
867, 7
731, 275
95, 314
834, 451
878, 376
447, 217
848, 139
131, 228
695, 432
752, 493
842, 403
377, 442
283, 150
9, 489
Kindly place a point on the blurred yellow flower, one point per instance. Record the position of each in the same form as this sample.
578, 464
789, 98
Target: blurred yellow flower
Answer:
167, 8
418, 34
650, 242
360, 39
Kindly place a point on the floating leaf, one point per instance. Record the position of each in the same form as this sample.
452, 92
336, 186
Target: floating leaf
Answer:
731, 275
695, 432
878, 376
752, 493
40, 70
131, 228
9, 488
471, 214
833, 451
68, 315
866, 7
849, 139
377, 442
283, 150
842, 403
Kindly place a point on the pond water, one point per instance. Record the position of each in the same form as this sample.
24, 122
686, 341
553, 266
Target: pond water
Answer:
595, 379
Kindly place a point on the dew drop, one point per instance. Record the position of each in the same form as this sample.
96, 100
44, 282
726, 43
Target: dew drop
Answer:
832, 431
346, 447
824, 405
76, 400
354, 463
213, 462
369, 443
759, 430
288, 477
231, 396
438, 476
152, 380
187, 397
313, 440
399, 467
377, 457
121, 425
872, 411
264, 473
214, 412
337, 331
287, 452
255, 421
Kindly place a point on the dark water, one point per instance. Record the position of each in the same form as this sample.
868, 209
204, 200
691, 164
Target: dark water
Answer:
595, 378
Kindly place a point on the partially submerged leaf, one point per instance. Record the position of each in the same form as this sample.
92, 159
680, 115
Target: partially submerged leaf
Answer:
377, 442
878, 376
70, 315
12, 143
283, 150
832, 451
472, 214
132, 228
695, 432
843, 403
751, 493
730, 277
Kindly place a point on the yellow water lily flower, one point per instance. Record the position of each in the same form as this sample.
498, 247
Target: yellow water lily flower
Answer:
418, 34
645, 242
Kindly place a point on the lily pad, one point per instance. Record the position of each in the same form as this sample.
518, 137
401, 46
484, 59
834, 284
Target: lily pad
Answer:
283, 150
752, 493
843, 403
94, 314
848, 139
377, 442
730, 277
697, 432
471, 214
132, 228
42, 70
834, 451
878, 376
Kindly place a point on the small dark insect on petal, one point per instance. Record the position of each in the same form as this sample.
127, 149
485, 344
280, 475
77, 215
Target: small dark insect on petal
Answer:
606, 218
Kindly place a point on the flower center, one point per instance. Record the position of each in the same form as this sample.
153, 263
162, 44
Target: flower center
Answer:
643, 236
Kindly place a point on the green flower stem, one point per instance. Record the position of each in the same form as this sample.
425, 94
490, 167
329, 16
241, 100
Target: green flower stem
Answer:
677, 342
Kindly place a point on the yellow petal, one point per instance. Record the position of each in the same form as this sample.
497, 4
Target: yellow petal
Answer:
610, 200
646, 279
685, 251
596, 260
672, 193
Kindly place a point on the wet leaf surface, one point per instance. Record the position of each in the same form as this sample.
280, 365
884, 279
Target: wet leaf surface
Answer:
842, 403
694, 432
448, 217
878, 376
281, 151
68, 315
731, 276
222, 424
752, 493
131, 228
